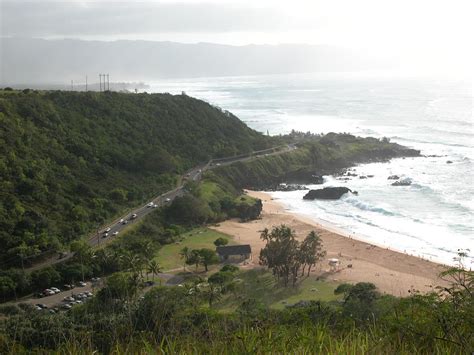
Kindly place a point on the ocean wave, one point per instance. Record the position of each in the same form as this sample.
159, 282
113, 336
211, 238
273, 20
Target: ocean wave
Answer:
429, 142
367, 207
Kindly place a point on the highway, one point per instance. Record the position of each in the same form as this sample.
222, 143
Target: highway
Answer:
195, 174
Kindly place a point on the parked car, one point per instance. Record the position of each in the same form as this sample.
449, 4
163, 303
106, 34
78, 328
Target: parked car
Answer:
38, 308
55, 289
134, 216
66, 306
115, 233
82, 284
167, 199
124, 221
69, 299
48, 292
150, 204
154, 205
41, 305
105, 235
69, 286
121, 220
89, 294
95, 279
107, 230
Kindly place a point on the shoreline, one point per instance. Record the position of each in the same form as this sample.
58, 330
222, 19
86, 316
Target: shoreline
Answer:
393, 272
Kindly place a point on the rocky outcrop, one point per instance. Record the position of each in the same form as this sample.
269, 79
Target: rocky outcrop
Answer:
328, 193
317, 179
402, 182
393, 177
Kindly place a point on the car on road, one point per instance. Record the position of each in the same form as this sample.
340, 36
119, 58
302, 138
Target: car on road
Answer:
218, 164
134, 216
167, 199
66, 306
38, 308
115, 233
68, 299
95, 279
149, 204
69, 286
105, 235
107, 230
55, 289
154, 205
41, 305
121, 220
124, 221
82, 284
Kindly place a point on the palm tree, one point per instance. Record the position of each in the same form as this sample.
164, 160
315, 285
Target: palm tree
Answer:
153, 268
184, 254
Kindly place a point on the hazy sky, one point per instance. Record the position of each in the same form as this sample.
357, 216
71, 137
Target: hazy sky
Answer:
432, 31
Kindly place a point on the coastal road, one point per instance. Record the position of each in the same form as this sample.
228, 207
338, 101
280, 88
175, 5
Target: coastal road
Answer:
195, 174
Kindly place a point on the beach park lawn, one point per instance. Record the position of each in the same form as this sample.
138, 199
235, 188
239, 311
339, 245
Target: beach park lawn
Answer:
168, 256
259, 284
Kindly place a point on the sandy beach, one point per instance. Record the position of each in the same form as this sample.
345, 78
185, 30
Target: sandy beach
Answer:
392, 272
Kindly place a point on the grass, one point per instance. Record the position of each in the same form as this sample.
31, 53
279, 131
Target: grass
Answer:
260, 284
168, 256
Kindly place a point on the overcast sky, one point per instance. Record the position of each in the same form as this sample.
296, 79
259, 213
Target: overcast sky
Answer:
436, 29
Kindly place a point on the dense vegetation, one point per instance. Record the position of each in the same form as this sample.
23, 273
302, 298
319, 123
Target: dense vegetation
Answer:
317, 155
70, 161
186, 319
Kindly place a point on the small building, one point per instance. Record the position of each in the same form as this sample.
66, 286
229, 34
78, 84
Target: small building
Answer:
234, 253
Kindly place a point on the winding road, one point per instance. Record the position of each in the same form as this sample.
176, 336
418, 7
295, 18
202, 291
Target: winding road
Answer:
99, 238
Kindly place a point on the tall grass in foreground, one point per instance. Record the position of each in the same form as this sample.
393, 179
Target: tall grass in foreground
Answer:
302, 339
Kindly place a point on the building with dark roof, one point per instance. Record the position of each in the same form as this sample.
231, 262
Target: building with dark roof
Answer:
234, 252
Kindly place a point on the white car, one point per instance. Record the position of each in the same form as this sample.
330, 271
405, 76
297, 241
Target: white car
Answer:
150, 204
115, 233
167, 199
121, 220
134, 216
82, 284
55, 289
69, 299
66, 306
154, 205
107, 230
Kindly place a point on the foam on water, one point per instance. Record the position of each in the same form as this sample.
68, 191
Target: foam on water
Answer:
434, 216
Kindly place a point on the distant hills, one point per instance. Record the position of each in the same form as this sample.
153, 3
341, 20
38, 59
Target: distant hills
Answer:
39, 61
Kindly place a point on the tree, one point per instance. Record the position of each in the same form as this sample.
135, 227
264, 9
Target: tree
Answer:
45, 278
208, 257
311, 251
184, 254
7, 286
194, 258
153, 268
281, 253
221, 241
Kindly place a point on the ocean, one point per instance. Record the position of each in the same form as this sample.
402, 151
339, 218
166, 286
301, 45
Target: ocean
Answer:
432, 218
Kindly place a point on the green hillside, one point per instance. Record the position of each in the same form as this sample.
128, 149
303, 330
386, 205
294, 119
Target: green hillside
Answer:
69, 160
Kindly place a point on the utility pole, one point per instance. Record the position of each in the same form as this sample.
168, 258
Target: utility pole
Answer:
72, 85
100, 82
108, 83
86, 82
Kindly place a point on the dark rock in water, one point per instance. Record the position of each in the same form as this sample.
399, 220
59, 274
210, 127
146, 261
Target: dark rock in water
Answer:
343, 179
355, 192
328, 193
317, 179
393, 177
402, 182
449, 162
370, 176
351, 174
362, 177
